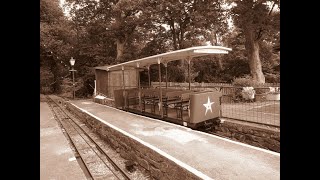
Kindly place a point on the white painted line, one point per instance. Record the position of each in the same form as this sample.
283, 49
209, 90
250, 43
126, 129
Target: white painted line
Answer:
240, 143
189, 129
72, 159
99, 97
276, 114
180, 163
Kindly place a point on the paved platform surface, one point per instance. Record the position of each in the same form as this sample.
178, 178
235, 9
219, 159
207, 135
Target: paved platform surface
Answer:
57, 161
213, 156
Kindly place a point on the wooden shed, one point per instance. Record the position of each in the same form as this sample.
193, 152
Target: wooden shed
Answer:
107, 81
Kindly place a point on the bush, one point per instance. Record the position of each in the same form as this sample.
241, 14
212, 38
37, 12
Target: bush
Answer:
246, 81
261, 90
87, 86
272, 78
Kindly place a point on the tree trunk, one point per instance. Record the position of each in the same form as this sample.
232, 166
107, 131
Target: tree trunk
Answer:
175, 46
220, 62
181, 39
219, 56
214, 42
120, 49
252, 47
174, 37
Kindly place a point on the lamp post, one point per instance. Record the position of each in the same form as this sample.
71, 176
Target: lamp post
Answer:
72, 61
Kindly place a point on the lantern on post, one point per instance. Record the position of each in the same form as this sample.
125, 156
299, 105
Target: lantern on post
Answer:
72, 62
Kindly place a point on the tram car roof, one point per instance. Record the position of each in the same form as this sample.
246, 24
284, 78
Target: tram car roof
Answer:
187, 53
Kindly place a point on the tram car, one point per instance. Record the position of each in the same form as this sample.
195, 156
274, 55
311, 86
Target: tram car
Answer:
119, 85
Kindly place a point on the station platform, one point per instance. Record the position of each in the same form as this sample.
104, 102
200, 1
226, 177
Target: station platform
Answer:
57, 160
205, 155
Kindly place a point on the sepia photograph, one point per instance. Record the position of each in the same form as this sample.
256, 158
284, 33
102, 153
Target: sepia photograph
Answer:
160, 89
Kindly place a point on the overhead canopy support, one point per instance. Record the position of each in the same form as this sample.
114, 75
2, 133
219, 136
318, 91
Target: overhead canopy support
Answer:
166, 67
160, 91
139, 88
124, 88
149, 82
189, 77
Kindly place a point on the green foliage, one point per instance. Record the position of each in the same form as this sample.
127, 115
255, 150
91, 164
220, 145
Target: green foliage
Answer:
156, 44
176, 72
55, 42
49, 11
87, 86
259, 22
208, 69
190, 20
261, 90
149, 27
114, 25
245, 81
273, 78
236, 68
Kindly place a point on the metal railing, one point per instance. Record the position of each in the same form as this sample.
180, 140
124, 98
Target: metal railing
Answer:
262, 107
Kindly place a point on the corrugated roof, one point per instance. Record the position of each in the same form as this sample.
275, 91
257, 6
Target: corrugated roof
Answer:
102, 67
168, 56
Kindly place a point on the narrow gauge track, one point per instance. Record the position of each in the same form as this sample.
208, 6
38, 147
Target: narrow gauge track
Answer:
98, 165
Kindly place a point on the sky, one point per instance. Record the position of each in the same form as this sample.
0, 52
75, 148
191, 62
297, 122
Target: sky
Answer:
64, 9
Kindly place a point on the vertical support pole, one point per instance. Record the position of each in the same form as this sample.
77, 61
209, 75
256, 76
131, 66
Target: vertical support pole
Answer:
139, 88
160, 98
189, 60
124, 89
95, 88
166, 65
74, 91
220, 112
149, 83
109, 90
95, 84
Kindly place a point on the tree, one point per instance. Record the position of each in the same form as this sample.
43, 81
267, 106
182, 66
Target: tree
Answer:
55, 38
155, 42
256, 19
116, 20
191, 21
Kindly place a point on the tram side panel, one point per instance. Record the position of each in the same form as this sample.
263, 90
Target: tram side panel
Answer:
204, 106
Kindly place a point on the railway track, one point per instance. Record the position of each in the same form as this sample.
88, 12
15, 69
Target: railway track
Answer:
91, 155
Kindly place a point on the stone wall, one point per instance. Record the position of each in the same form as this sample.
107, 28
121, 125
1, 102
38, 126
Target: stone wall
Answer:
260, 137
106, 101
160, 167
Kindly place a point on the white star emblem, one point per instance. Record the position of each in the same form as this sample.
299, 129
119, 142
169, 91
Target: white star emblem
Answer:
208, 106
